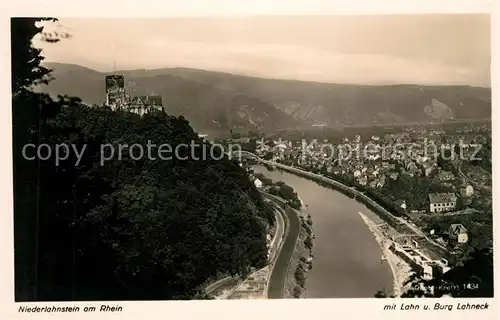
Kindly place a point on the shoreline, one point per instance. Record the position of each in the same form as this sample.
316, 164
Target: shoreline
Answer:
400, 270
302, 204
396, 222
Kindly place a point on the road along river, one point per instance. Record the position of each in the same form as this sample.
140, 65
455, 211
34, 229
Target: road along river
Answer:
347, 259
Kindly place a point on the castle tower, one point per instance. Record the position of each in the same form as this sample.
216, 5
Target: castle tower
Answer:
115, 91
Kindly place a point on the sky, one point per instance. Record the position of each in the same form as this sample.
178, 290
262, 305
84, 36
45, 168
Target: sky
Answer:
443, 49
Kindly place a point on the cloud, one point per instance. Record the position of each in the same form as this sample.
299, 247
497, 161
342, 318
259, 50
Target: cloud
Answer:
265, 52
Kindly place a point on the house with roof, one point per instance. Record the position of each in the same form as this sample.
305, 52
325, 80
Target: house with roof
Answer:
458, 233
401, 203
258, 184
445, 176
145, 104
467, 191
362, 180
442, 202
381, 181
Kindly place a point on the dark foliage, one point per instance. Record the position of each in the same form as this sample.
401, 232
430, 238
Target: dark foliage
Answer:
297, 291
483, 157
473, 279
299, 276
127, 229
286, 192
380, 294
308, 242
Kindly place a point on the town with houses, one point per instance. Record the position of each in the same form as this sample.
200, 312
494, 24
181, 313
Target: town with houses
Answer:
439, 193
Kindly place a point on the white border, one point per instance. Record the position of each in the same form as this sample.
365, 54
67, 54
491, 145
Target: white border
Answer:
162, 8
263, 309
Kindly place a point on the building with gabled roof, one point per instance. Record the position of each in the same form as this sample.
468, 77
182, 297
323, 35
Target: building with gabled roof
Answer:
442, 202
457, 232
145, 104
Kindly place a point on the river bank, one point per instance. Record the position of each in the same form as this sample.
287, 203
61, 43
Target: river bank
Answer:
346, 257
401, 271
301, 263
433, 249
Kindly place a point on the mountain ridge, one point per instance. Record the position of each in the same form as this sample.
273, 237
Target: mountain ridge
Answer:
165, 69
213, 100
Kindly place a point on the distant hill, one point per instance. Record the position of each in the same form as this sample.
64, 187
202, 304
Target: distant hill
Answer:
212, 100
345, 104
207, 108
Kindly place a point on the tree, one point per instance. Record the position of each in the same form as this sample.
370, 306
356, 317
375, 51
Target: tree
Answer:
297, 291
380, 294
29, 111
26, 69
308, 242
268, 156
251, 146
474, 278
107, 231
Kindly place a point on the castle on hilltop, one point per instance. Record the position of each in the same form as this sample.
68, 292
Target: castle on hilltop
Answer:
118, 99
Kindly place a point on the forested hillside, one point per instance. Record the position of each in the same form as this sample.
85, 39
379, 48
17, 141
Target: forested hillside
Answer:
214, 100
207, 108
127, 229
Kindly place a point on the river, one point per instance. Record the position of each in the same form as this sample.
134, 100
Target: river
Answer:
347, 259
